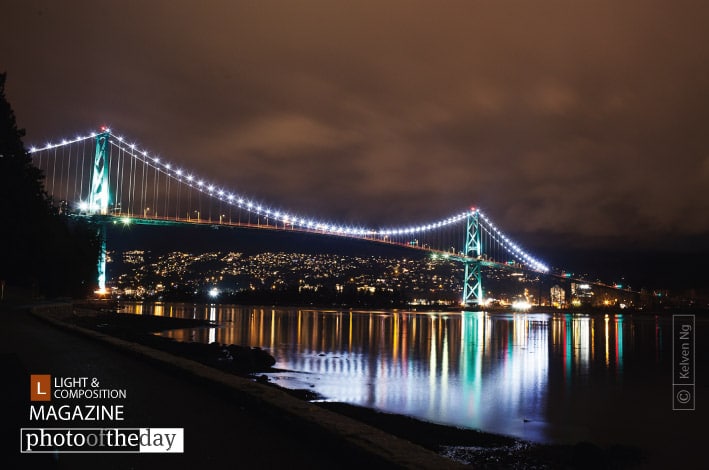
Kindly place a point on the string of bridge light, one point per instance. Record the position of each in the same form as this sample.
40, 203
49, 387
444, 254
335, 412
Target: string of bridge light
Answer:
512, 247
516, 255
256, 208
63, 143
241, 202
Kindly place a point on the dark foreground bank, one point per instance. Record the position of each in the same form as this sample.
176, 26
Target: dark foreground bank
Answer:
228, 421
483, 450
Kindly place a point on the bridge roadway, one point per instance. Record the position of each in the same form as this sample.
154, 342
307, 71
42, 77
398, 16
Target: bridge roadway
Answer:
224, 427
132, 219
459, 257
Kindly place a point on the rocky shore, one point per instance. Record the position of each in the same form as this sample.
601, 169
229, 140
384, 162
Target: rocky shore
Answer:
231, 358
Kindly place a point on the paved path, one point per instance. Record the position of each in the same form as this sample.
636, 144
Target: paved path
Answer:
222, 429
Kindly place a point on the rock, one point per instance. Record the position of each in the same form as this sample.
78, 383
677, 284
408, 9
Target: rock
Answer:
587, 455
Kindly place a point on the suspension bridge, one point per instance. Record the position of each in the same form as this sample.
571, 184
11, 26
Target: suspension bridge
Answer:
103, 176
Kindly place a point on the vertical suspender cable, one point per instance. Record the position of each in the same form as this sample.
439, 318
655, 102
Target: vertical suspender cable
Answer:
118, 192
61, 174
81, 180
76, 171
156, 178
167, 193
120, 185
131, 184
177, 199
126, 185
189, 201
54, 170
108, 179
142, 186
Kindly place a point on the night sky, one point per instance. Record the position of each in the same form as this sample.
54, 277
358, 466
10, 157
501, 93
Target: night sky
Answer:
576, 126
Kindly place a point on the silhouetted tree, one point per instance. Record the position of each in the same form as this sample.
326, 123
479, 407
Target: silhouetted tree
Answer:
39, 249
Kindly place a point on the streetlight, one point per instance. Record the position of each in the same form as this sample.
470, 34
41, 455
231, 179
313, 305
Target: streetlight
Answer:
145, 212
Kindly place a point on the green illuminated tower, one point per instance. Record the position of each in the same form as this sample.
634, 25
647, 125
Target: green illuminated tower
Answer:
473, 288
98, 200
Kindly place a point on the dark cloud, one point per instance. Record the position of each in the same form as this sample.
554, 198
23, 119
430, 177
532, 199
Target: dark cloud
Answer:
583, 118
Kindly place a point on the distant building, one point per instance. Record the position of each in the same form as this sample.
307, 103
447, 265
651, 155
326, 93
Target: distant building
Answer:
558, 297
581, 294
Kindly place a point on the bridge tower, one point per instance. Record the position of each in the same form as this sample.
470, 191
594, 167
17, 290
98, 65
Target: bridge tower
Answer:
473, 287
98, 199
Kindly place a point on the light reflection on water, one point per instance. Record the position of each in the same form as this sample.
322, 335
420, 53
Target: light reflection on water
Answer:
545, 377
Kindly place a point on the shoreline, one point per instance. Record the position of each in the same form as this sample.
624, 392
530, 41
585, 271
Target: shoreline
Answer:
114, 305
466, 446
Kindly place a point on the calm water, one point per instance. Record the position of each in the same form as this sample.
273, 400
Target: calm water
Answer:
543, 377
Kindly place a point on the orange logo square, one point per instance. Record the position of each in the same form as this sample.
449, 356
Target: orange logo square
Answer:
40, 387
